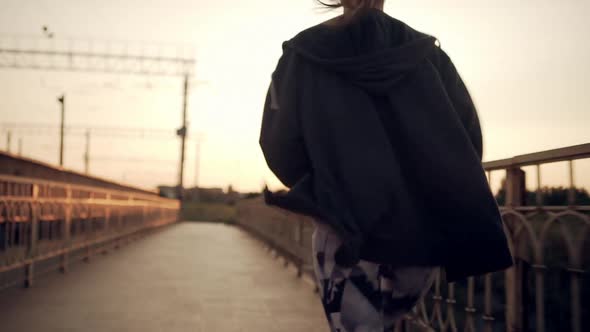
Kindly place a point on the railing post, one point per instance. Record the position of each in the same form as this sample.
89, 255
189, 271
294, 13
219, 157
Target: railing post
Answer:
488, 317
515, 187
571, 194
118, 240
144, 221
300, 249
107, 213
451, 303
128, 218
470, 309
515, 197
32, 250
90, 234
63, 267
575, 275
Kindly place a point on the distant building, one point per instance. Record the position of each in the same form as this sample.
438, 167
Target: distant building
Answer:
168, 191
212, 195
206, 195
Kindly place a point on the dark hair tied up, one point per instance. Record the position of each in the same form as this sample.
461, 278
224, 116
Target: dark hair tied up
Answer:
338, 4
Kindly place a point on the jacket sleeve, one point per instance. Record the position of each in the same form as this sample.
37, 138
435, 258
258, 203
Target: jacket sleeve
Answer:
280, 136
462, 102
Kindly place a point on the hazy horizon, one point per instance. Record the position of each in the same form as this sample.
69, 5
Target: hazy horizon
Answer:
525, 64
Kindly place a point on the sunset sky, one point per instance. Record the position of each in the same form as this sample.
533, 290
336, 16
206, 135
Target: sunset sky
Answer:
525, 63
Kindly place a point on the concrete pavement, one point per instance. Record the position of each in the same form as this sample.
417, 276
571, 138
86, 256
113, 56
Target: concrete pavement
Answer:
189, 277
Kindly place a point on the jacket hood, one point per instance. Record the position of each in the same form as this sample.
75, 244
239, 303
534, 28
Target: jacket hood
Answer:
373, 50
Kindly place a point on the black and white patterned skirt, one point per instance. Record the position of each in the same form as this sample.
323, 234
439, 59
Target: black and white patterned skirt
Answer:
368, 297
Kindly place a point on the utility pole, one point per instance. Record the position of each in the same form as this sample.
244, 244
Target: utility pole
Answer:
20, 146
182, 131
62, 101
8, 141
87, 153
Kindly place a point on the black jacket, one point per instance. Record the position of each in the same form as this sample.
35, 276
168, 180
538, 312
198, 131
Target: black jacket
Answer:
375, 134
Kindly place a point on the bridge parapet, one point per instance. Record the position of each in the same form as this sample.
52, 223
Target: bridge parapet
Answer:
547, 289
45, 224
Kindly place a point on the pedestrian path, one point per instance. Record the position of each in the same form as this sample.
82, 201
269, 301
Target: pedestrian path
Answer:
189, 277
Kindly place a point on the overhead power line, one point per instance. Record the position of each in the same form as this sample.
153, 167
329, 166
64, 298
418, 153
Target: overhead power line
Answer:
94, 56
121, 159
42, 129
53, 54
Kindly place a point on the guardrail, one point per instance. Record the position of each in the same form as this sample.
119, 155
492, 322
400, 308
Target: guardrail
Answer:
44, 225
542, 292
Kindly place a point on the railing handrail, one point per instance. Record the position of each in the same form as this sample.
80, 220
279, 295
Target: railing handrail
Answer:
43, 220
130, 194
542, 157
63, 170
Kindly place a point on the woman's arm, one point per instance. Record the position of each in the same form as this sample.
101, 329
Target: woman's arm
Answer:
280, 136
462, 102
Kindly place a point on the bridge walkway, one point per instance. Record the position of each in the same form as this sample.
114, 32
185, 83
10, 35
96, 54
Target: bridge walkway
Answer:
188, 277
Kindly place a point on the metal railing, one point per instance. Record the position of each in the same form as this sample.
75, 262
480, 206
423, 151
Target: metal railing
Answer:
44, 225
542, 292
